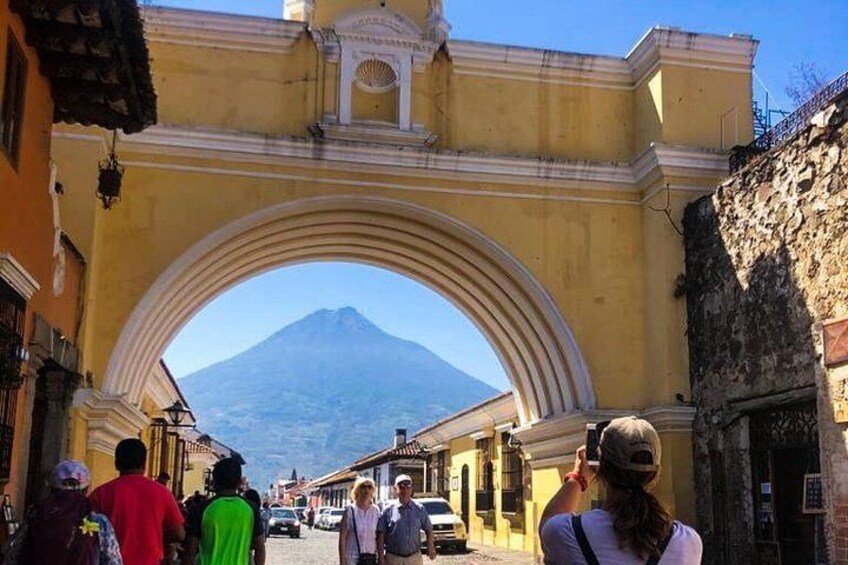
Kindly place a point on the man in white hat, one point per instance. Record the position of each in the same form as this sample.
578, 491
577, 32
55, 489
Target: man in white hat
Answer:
398, 531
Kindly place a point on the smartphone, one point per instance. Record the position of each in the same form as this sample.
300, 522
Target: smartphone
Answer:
593, 441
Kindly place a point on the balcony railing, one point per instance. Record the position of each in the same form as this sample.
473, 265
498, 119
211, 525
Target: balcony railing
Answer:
790, 125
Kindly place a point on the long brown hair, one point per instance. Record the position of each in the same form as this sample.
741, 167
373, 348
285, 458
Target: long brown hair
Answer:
640, 521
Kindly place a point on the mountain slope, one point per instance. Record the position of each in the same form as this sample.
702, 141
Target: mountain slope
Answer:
323, 391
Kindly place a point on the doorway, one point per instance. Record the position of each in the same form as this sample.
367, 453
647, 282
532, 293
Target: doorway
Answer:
464, 499
784, 452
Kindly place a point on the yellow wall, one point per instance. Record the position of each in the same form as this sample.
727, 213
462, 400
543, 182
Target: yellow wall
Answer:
608, 262
675, 489
287, 93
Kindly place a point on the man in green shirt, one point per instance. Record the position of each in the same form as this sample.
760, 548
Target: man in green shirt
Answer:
226, 528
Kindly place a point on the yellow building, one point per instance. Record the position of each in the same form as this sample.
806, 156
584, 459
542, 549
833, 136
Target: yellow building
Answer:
529, 187
47, 57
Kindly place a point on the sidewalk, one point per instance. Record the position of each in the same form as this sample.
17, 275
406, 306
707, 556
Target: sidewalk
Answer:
484, 554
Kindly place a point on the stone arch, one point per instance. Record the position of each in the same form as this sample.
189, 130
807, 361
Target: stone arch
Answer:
514, 312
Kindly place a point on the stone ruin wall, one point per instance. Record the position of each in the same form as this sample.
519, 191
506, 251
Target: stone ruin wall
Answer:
767, 262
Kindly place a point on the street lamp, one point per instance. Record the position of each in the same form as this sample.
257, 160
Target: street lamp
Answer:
176, 414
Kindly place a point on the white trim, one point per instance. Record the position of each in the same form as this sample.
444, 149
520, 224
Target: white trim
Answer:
500, 411
110, 419
379, 185
658, 47
220, 31
483, 434
555, 440
17, 277
233, 146
515, 313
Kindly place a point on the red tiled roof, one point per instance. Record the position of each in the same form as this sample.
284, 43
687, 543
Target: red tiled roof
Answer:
409, 450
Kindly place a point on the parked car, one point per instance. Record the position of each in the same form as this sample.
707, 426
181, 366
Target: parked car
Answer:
332, 519
321, 515
448, 528
284, 521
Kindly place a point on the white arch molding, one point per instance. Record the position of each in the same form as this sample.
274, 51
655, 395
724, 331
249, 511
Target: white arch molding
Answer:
517, 316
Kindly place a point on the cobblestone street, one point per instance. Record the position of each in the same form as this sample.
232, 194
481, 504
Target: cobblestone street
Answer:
320, 548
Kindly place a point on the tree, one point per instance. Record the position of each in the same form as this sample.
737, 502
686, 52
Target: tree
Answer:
805, 81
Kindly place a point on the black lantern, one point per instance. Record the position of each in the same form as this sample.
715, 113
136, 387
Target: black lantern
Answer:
109, 180
176, 413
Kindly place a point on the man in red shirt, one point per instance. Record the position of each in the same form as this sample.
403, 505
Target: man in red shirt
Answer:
143, 512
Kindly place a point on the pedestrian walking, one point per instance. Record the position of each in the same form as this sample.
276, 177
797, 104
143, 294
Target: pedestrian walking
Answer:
225, 529
144, 513
632, 528
358, 533
310, 517
265, 514
399, 529
61, 529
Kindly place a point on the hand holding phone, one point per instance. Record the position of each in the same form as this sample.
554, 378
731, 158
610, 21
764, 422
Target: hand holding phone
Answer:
593, 442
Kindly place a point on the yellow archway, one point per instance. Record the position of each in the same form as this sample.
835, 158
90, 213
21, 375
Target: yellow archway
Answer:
498, 294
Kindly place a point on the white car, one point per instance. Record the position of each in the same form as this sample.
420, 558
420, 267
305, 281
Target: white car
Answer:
332, 519
319, 516
448, 528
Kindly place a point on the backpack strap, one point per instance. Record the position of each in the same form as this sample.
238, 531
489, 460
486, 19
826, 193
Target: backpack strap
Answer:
582, 540
663, 544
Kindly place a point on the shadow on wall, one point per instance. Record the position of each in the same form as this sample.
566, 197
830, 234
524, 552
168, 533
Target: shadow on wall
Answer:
765, 261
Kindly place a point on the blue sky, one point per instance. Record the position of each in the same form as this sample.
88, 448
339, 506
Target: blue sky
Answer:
255, 309
790, 32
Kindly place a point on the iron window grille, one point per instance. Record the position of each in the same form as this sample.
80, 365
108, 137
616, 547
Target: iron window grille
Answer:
512, 479
12, 315
439, 481
8, 404
485, 494
11, 112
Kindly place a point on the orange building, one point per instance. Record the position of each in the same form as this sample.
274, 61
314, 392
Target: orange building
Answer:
78, 62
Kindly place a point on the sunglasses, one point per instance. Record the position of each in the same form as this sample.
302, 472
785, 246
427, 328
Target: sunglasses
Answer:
404, 485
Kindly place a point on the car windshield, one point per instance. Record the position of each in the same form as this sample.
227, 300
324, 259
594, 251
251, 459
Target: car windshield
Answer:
337, 512
281, 513
437, 507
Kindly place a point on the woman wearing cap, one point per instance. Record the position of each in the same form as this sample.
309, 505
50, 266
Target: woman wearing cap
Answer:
633, 527
61, 529
358, 535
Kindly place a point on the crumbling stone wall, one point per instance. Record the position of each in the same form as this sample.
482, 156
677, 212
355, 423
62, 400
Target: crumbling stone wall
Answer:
766, 261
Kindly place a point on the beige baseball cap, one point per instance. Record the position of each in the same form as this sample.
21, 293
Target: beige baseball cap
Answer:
403, 479
623, 438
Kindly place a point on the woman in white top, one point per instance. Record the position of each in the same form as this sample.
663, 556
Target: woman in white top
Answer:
359, 524
632, 528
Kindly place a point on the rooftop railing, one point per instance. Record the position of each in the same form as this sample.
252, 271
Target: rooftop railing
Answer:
790, 125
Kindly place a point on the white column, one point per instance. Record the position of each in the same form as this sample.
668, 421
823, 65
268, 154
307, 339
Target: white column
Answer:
345, 86
405, 102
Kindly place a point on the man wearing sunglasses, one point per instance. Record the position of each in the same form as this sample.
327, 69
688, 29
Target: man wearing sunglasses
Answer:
398, 531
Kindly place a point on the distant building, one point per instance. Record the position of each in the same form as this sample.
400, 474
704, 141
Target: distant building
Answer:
402, 458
